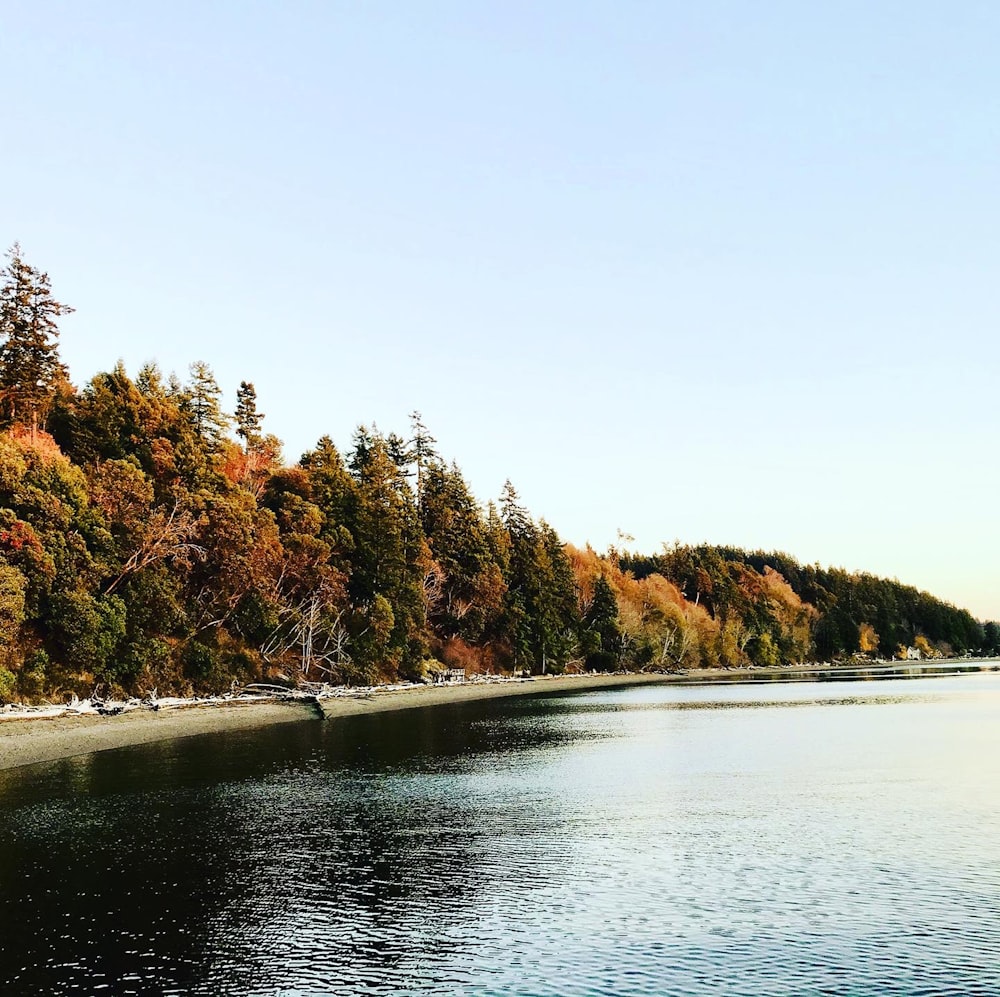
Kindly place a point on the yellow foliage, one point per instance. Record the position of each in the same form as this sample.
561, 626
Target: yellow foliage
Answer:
794, 616
652, 613
868, 639
587, 567
705, 632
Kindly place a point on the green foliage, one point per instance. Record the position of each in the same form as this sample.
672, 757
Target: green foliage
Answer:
111, 419
202, 664
12, 591
201, 400
248, 419
601, 661
256, 617
32, 678
541, 616
469, 587
87, 631
213, 668
8, 685
140, 654
764, 651
386, 563
600, 625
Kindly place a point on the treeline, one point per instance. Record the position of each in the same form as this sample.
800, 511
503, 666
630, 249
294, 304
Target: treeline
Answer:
757, 593
151, 539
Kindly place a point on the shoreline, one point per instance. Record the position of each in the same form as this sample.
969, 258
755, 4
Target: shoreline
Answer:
29, 740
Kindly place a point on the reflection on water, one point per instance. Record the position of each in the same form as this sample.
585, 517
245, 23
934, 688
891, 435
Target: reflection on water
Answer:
657, 840
857, 692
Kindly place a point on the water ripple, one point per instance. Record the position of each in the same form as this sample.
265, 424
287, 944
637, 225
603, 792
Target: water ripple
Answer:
558, 848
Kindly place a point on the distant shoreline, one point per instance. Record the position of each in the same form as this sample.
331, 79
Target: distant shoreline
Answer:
28, 741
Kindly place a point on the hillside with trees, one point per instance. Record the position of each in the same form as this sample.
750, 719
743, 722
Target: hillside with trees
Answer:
152, 539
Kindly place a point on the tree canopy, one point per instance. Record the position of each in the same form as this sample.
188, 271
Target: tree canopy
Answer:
144, 547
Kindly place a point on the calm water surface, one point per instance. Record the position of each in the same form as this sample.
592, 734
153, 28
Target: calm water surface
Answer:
749, 840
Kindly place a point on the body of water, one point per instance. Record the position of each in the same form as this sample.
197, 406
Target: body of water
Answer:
755, 840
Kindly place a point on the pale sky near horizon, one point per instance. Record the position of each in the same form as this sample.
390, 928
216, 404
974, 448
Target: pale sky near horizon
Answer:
719, 271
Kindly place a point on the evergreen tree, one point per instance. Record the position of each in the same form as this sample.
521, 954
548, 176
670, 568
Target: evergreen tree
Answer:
386, 561
400, 453
30, 369
472, 586
540, 618
497, 538
204, 405
422, 449
334, 492
364, 440
556, 614
515, 517
248, 419
601, 629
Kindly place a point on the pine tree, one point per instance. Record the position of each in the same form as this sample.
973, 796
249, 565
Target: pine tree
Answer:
30, 369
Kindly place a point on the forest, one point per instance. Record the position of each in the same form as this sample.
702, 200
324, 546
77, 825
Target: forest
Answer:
151, 539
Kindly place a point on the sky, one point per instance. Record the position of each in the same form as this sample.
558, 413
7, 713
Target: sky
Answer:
715, 271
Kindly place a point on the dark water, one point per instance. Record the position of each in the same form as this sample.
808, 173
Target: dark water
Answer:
751, 840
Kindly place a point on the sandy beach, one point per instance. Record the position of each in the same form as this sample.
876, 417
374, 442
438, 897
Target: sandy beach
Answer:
25, 741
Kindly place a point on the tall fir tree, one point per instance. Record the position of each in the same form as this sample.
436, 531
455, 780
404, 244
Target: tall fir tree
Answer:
203, 404
385, 564
30, 368
472, 585
248, 419
421, 449
600, 627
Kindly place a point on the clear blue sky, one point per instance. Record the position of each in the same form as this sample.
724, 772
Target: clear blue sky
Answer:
719, 271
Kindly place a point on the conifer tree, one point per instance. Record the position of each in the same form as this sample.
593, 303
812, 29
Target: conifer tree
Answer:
421, 448
248, 419
400, 454
334, 492
30, 369
388, 539
203, 395
558, 602
601, 627
515, 517
454, 528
